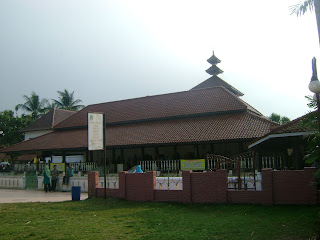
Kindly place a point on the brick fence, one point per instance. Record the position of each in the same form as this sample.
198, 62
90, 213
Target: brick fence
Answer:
278, 187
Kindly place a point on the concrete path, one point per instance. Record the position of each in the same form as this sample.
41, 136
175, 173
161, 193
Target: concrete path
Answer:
19, 196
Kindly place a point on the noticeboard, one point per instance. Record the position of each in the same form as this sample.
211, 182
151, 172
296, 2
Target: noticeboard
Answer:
95, 131
60, 166
194, 164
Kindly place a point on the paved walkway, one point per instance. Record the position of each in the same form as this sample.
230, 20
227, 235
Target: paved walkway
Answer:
19, 196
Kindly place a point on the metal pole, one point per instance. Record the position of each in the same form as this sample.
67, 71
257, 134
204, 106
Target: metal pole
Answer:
318, 110
104, 156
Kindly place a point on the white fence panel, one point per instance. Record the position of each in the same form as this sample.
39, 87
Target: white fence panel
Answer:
13, 182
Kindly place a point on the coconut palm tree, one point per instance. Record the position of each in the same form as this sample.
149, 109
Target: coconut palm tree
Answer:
34, 105
311, 5
66, 101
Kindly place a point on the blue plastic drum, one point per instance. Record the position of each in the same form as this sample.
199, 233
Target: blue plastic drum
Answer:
76, 193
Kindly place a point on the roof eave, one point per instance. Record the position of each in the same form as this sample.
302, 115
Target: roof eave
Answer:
279, 135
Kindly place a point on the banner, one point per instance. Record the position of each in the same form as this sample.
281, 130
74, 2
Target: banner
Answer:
60, 166
195, 164
95, 131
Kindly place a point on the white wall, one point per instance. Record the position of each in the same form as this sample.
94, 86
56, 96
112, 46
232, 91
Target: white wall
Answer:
69, 159
33, 134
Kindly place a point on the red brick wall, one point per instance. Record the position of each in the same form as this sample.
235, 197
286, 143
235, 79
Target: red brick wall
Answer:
168, 195
113, 193
294, 187
254, 197
210, 187
140, 186
186, 185
278, 187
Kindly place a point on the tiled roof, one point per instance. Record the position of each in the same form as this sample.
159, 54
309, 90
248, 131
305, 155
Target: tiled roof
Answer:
224, 127
4, 157
49, 120
27, 157
293, 126
215, 81
196, 102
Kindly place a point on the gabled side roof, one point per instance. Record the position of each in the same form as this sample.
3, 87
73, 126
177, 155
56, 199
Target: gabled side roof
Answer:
49, 120
215, 100
215, 81
290, 129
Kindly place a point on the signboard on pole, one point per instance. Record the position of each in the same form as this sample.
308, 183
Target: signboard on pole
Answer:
95, 131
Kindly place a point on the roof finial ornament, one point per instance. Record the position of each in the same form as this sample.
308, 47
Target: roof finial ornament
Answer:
214, 70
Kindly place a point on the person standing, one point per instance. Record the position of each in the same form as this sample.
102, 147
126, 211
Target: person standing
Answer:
54, 178
46, 178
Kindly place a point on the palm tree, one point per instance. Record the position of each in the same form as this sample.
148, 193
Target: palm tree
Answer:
33, 104
302, 7
67, 102
50, 106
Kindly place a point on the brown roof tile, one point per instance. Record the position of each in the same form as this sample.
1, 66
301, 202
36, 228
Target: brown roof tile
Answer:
196, 102
293, 126
215, 81
49, 120
224, 127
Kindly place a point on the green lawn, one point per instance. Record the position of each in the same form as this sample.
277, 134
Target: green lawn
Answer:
120, 219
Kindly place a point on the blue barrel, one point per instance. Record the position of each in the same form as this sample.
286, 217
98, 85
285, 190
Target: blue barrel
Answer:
76, 193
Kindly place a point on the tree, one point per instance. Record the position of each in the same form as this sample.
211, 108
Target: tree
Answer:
310, 122
50, 106
278, 119
66, 101
302, 7
34, 105
10, 126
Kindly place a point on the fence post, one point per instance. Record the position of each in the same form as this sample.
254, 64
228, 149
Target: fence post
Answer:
122, 184
93, 182
239, 176
186, 182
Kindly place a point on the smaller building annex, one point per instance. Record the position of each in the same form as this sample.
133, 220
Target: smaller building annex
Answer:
46, 123
284, 146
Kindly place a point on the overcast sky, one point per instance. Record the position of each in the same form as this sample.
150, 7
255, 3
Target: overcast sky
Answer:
114, 50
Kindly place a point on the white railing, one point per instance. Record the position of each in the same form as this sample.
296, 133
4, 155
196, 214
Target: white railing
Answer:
19, 182
272, 162
82, 167
169, 183
112, 182
248, 182
20, 167
73, 181
13, 182
160, 165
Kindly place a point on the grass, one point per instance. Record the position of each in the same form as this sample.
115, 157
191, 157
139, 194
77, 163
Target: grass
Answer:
120, 219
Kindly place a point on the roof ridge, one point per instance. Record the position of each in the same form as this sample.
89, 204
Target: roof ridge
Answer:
262, 117
53, 116
158, 95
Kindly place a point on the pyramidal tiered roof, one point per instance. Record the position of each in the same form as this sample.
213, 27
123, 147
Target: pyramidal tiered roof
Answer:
215, 81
